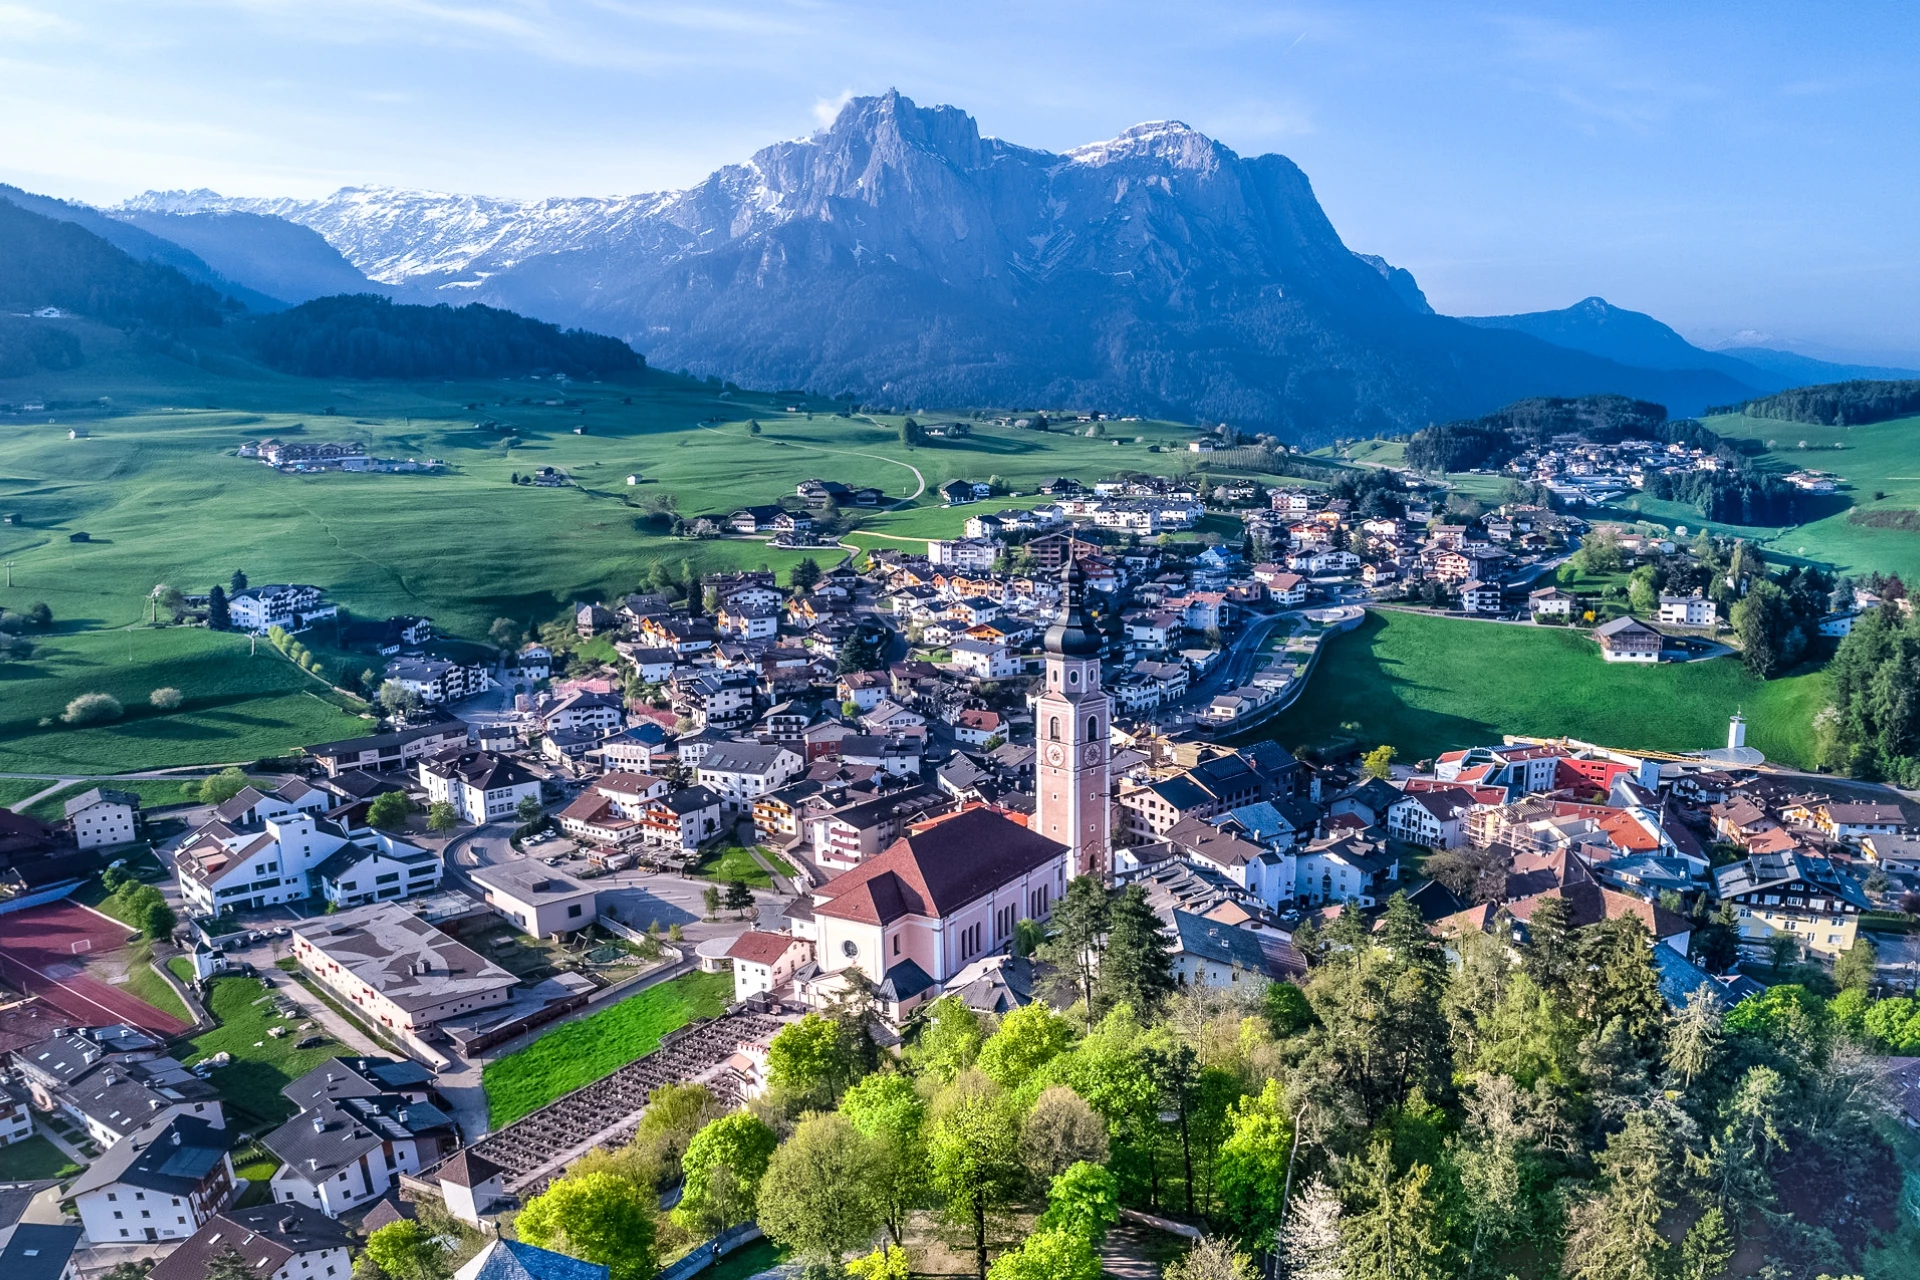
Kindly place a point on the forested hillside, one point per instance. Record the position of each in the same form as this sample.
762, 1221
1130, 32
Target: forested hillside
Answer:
1838, 404
44, 263
363, 336
50, 263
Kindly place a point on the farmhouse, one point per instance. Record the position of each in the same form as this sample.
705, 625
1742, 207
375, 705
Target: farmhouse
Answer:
1627, 639
102, 816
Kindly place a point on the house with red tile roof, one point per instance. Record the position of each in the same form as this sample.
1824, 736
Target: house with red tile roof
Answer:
938, 898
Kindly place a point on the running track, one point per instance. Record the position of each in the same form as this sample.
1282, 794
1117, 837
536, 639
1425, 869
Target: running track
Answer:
37, 955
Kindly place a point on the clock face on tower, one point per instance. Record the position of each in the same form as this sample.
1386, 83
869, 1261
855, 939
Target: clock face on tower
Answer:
1092, 753
1055, 754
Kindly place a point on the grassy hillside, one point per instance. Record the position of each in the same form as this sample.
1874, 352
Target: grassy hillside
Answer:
1429, 685
1883, 457
235, 707
157, 487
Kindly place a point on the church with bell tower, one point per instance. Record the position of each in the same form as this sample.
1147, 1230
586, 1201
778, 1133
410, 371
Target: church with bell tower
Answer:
1073, 736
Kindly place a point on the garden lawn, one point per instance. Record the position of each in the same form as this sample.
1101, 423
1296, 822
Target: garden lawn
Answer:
236, 707
251, 1083
746, 1261
33, 1158
733, 863
144, 984
581, 1052
1427, 685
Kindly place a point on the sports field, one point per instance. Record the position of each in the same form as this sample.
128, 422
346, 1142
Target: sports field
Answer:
1428, 685
54, 952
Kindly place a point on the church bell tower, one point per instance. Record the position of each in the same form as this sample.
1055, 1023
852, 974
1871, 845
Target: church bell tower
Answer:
1073, 735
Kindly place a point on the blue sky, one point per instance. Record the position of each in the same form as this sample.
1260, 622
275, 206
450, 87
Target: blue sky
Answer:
1726, 168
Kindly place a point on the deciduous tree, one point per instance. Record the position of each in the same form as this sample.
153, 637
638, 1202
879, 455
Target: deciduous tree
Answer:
817, 1197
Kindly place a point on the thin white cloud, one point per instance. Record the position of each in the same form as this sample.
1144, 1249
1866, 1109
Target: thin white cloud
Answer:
827, 110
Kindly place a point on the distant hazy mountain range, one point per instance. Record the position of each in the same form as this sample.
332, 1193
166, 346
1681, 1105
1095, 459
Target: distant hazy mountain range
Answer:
900, 258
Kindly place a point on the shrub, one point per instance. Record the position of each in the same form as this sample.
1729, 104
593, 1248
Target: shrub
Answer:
165, 699
93, 708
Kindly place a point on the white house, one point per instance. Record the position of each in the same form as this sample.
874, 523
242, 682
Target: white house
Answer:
1434, 819
480, 787
1688, 611
739, 771
764, 962
435, 680
340, 1154
889, 717
101, 817
984, 660
974, 555
160, 1182
1344, 869
976, 727
1550, 602
289, 606
276, 1241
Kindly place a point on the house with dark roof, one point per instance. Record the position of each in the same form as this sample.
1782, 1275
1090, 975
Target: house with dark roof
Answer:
939, 897
342, 1154
470, 1184
361, 1077
1208, 953
160, 1182
276, 1241
112, 1091
41, 1251
1794, 892
480, 786
512, 1260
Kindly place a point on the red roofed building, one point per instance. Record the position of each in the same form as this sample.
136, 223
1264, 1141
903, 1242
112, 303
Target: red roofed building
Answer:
764, 962
938, 898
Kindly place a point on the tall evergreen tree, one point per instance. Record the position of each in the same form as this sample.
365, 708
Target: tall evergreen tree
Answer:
1078, 929
1136, 967
1395, 1229
219, 616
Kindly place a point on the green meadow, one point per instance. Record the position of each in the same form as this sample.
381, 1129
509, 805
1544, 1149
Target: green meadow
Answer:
234, 708
157, 488
1428, 685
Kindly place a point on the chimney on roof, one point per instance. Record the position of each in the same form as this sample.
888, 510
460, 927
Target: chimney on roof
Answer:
319, 1123
176, 1137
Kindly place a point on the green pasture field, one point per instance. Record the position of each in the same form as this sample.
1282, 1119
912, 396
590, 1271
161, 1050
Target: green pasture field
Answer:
236, 707
1881, 457
581, 1052
157, 487
14, 790
153, 792
1428, 685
